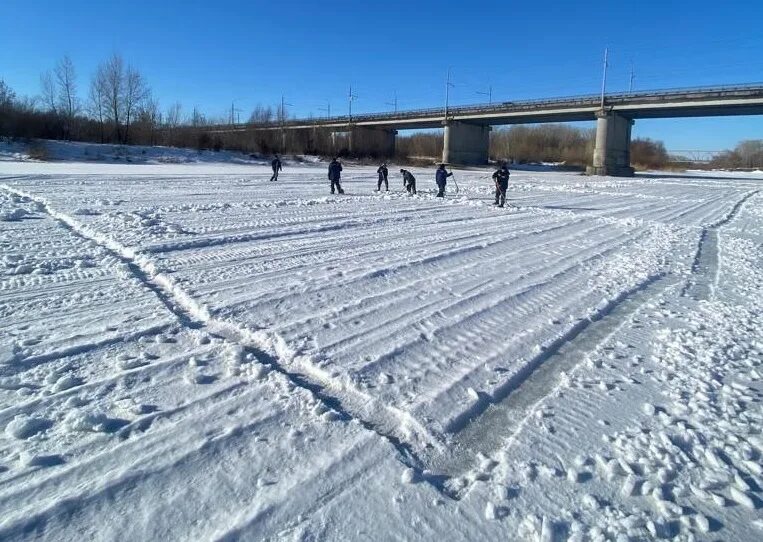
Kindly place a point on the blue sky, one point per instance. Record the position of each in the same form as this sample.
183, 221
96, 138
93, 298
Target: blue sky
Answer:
207, 54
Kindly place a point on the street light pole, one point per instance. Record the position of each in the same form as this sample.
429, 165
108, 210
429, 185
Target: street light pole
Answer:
489, 94
448, 84
327, 109
351, 97
633, 76
234, 112
604, 77
394, 103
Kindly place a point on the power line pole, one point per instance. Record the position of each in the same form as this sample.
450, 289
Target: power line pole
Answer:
604, 78
448, 84
633, 76
393, 102
489, 95
351, 97
327, 109
234, 113
282, 118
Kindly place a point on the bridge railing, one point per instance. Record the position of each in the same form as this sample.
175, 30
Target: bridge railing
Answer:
518, 105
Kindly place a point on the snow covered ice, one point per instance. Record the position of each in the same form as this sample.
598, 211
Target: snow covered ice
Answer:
190, 352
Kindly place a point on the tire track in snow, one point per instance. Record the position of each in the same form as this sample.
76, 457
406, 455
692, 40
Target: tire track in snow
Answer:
399, 428
704, 270
496, 420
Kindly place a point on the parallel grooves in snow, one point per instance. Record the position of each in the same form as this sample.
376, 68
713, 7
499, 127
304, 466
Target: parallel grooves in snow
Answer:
399, 427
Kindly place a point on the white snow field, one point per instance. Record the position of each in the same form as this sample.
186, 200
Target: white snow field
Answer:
190, 352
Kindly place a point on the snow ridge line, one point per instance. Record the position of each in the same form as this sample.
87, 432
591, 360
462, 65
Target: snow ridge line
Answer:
402, 430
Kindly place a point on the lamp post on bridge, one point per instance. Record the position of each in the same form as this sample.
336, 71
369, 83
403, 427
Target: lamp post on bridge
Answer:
393, 103
630, 83
350, 98
327, 109
235, 112
604, 78
448, 84
489, 95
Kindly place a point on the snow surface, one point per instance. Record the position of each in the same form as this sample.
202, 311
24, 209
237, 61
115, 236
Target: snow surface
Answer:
191, 352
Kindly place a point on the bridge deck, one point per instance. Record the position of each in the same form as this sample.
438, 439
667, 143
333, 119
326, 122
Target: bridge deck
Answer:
697, 102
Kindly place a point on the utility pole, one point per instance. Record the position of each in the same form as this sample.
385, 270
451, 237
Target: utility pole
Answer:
282, 112
235, 112
489, 95
448, 84
633, 76
327, 109
351, 97
393, 102
604, 78
282, 118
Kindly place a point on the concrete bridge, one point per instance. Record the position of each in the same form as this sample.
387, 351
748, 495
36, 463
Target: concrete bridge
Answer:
467, 128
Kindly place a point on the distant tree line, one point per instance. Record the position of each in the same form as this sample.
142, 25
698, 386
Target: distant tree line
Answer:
746, 155
522, 144
543, 143
120, 108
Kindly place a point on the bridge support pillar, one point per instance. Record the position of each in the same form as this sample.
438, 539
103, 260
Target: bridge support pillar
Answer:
612, 153
375, 142
465, 144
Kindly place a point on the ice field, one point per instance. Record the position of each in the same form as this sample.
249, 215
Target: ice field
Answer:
190, 352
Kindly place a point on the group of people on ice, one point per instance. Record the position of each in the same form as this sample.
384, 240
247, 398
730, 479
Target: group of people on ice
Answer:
500, 178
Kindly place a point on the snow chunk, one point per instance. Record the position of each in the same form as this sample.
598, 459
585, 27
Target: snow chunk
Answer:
23, 427
14, 215
742, 497
96, 422
490, 512
65, 383
408, 476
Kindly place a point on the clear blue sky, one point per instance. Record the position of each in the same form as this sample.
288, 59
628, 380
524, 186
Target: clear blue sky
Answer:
206, 54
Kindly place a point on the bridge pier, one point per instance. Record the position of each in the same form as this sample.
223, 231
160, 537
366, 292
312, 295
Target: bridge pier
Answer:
379, 142
465, 144
612, 153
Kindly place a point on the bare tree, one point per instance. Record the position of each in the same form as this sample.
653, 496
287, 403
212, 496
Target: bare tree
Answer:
261, 114
7, 96
67, 93
149, 118
113, 85
97, 105
198, 118
48, 89
173, 116
135, 91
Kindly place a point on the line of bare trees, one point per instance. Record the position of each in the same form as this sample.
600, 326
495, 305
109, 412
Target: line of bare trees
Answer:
118, 108
746, 155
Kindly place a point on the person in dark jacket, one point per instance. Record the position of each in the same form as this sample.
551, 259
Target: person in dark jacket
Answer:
441, 177
276, 165
383, 173
335, 172
501, 179
409, 181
